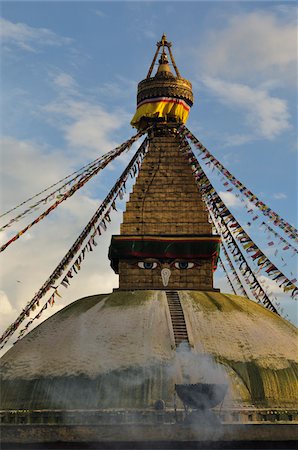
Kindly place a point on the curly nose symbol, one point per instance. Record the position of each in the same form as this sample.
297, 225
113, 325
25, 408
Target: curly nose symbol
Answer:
165, 276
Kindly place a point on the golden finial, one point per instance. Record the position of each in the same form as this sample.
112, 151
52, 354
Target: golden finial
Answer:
163, 43
163, 58
164, 39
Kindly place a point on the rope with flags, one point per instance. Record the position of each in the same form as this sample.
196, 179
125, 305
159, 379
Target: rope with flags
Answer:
280, 238
237, 280
291, 231
74, 188
254, 252
263, 262
221, 264
81, 174
78, 173
248, 274
236, 277
94, 226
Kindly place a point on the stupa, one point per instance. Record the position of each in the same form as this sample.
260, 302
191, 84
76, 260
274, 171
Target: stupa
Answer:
114, 359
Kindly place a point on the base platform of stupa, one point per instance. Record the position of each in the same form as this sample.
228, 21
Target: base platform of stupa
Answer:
156, 435
107, 395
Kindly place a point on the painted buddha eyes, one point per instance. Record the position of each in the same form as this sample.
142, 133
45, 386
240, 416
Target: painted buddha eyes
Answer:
183, 265
147, 265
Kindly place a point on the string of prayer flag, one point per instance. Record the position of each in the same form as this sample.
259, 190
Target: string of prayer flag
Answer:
78, 171
237, 279
248, 275
57, 193
291, 231
227, 275
287, 245
247, 243
73, 189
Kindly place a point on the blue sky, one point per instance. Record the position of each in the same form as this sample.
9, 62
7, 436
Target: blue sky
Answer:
69, 77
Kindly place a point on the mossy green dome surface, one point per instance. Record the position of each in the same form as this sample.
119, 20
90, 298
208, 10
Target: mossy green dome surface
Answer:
117, 351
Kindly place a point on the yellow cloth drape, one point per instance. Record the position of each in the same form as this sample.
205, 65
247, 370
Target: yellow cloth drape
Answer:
161, 108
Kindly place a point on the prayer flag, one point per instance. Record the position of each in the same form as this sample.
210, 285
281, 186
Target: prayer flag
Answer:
248, 245
289, 287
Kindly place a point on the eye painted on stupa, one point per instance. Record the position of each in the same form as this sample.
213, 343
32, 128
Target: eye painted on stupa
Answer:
183, 265
147, 265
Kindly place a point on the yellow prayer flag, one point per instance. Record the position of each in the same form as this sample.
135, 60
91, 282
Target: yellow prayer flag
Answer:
248, 245
289, 288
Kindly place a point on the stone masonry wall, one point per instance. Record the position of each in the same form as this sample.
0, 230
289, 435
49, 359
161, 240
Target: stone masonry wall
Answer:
165, 198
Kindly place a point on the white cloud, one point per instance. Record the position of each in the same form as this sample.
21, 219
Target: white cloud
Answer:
237, 139
221, 281
8, 312
86, 125
267, 116
28, 38
279, 196
230, 199
19, 160
119, 88
272, 286
99, 13
251, 46
64, 80
150, 34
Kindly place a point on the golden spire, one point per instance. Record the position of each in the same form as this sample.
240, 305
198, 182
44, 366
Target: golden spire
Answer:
163, 44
